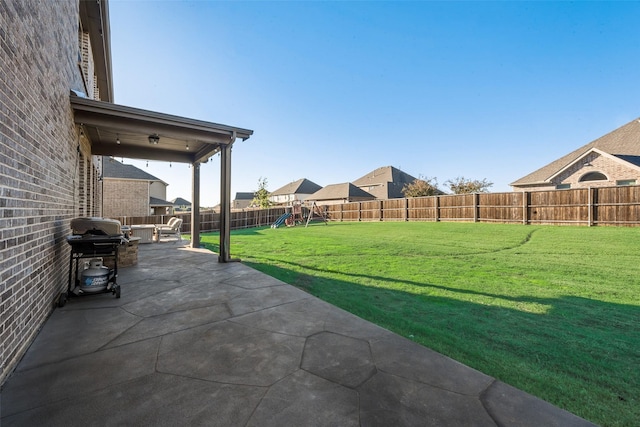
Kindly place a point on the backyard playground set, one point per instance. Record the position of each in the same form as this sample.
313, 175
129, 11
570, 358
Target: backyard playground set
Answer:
296, 215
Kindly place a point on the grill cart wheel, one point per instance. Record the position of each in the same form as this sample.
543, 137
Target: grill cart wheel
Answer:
117, 289
62, 299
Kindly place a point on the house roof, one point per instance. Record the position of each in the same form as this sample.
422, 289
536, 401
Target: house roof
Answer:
244, 196
114, 169
634, 160
383, 175
385, 182
156, 202
340, 191
179, 201
622, 143
301, 186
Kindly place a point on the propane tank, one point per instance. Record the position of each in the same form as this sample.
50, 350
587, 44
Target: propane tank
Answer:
95, 278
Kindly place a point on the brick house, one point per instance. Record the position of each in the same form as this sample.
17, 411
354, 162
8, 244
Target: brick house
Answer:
181, 205
130, 191
242, 200
611, 160
47, 171
385, 182
57, 120
336, 194
296, 191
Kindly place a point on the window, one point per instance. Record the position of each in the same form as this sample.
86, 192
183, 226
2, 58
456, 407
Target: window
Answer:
626, 182
593, 176
87, 66
563, 186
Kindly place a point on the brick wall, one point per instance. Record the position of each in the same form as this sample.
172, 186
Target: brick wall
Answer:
40, 148
127, 255
125, 197
613, 169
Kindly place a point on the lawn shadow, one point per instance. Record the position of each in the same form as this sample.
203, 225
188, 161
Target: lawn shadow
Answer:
579, 353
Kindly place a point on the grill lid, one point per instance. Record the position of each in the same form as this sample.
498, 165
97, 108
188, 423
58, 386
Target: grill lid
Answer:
96, 226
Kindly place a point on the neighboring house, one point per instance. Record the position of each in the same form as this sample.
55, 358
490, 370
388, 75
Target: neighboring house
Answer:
57, 120
181, 205
159, 206
385, 183
242, 200
296, 191
335, 194
130, 191
611, 160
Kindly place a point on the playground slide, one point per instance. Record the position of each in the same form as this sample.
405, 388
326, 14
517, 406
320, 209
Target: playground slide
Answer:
280, 220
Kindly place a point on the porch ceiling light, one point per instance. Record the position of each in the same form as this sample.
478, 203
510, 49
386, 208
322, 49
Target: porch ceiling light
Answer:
153, 139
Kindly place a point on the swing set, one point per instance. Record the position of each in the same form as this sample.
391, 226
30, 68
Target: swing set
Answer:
296, 216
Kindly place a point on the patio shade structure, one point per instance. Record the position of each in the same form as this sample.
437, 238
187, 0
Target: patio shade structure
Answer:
121, 131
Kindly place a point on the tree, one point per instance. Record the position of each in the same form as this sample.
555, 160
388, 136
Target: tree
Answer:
261, 197
461, 185
421, 187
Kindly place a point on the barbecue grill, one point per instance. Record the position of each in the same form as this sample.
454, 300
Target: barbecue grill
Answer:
95, 239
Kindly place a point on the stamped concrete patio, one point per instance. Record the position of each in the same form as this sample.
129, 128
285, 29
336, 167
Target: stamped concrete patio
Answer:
195, 342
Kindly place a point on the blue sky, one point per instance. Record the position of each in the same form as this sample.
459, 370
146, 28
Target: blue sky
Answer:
335, 89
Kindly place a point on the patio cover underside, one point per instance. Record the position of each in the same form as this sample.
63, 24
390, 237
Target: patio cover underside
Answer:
121, 131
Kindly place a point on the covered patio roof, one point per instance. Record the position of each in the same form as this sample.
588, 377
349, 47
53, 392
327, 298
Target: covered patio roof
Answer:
180, 139
121, 131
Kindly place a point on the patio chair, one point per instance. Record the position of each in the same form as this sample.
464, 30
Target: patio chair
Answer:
171, 228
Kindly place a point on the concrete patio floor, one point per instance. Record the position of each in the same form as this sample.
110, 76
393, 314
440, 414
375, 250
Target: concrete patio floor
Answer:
195, 342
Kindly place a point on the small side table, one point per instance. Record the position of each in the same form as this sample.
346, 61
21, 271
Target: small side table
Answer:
144, 232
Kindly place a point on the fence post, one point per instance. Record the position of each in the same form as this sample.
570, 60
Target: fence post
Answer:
437, 208
596, 205
589, 206
593, 194
476, 207
359, 211
381, 210
406, 209
525, 208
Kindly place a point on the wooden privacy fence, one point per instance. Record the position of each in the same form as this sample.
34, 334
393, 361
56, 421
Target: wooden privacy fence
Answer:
612, 206
210, 220
617, 206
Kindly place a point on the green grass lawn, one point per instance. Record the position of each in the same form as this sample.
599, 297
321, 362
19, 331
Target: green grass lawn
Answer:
554, 311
